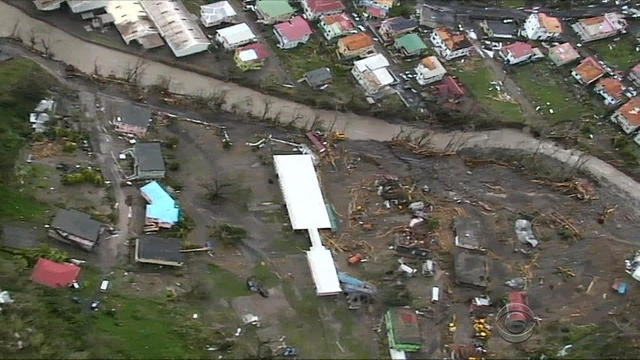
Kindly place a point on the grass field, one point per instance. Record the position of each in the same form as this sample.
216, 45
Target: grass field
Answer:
621, 54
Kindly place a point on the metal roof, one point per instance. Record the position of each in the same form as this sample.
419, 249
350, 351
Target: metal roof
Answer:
216, 12
149, 248
235, 34
161, 205
148, 156
77, 223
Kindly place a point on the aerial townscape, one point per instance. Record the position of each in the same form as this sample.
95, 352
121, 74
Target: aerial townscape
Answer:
320, 179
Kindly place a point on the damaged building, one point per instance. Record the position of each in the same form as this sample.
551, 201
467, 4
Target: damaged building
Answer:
75, 228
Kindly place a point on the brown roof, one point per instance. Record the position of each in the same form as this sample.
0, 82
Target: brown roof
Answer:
550, 23
631, 111
357, 41
454, 41
589, 69
611, 86
593, 20
429, 62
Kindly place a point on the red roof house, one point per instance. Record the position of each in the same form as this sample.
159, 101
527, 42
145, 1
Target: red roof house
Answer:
316, 8
53, 274
450, 89
517, 52
293, 32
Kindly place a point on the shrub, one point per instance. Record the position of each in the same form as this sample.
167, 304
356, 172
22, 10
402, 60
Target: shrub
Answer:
229, 235
87, 175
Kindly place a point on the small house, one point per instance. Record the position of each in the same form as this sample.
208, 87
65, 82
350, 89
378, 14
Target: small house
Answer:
450, 45
541, 26
496, 29
600, 27
395, 27
450, 89
628, 115
234, 36
563, 54
54, 275
314, 9
132, 119
217, 13
634, 75
251, 57
158, 250
588, 71
148, 162
518, 52
292, 33
410, 45
611, 89
75, 228
318, 78
403, 330
373, 75
162, 210
273, 11
335, 26
429, 70
377, 8
356, 45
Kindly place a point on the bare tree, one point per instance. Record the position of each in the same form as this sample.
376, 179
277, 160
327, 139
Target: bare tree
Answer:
267, 106
134, 73
46, 48
32, 39
216, 189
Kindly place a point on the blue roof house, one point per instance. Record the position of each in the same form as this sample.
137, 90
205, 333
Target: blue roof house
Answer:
162, 209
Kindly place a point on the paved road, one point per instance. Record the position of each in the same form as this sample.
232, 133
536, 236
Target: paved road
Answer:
242, 100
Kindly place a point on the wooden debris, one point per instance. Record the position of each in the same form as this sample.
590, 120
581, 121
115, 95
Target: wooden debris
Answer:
480, 162
565, 272
580, 189
591, 285
424, 151
609, 210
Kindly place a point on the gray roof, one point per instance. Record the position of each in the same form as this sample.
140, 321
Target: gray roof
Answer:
77, 223
500, 28
19, 237
148, 156
469, 233
134, 115
318, 77
399, 23
159, 248
471, 269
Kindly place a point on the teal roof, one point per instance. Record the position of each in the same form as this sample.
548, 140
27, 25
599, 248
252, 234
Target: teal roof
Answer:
274, 8
411, 43
161, 205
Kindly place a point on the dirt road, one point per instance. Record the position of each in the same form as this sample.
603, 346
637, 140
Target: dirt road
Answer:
89, 57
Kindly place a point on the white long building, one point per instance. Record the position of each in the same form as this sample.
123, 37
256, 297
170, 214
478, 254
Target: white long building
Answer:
177, 26
133, 23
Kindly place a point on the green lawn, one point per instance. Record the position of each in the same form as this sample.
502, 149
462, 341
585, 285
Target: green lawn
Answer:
476, 77
513, 3
542, 84
621, 54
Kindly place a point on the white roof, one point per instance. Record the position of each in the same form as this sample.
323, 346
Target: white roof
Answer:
383, 76
247, 55
301, 192
371, 63
216, 11
235, 34
131, 19
176, 25
323, 271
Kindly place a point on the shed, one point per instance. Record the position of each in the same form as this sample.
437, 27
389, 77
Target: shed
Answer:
236, 35
468, 234
471, 269
216, 13
53, 274
403, 330
75, 227
158, 250
318, 77
149, 163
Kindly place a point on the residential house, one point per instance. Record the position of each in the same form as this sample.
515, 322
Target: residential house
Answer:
377, 8
162, 210
373, 75
611, 89
376, 12
80, 6
628, 116
634, 75
541, 26
395, 27
588, 71
499, 29
133, 23
292, 33
132, 119
450, 45
159, 251
273, 11
314, 9
518, 52
148, 162
177, 26
563, 54
54, 275
410, 45
429, 70
217, 13
251, 57
335, 26
76, 228
235, 35
600, 27
318, 78
47, 5
356, 45
450, 89
433, 16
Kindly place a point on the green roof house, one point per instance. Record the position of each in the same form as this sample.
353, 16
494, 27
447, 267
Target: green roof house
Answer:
410, 45
273, 11
403, 330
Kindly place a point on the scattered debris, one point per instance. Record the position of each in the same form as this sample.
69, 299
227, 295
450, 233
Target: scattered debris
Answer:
428, 268
255, 286
580, 189
619, 286
524, 232
564, 351
251, 319
632, 265
516, 283
5, 298
565, 272
606, 212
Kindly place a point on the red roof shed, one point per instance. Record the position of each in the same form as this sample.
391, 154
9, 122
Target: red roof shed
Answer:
53, 274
